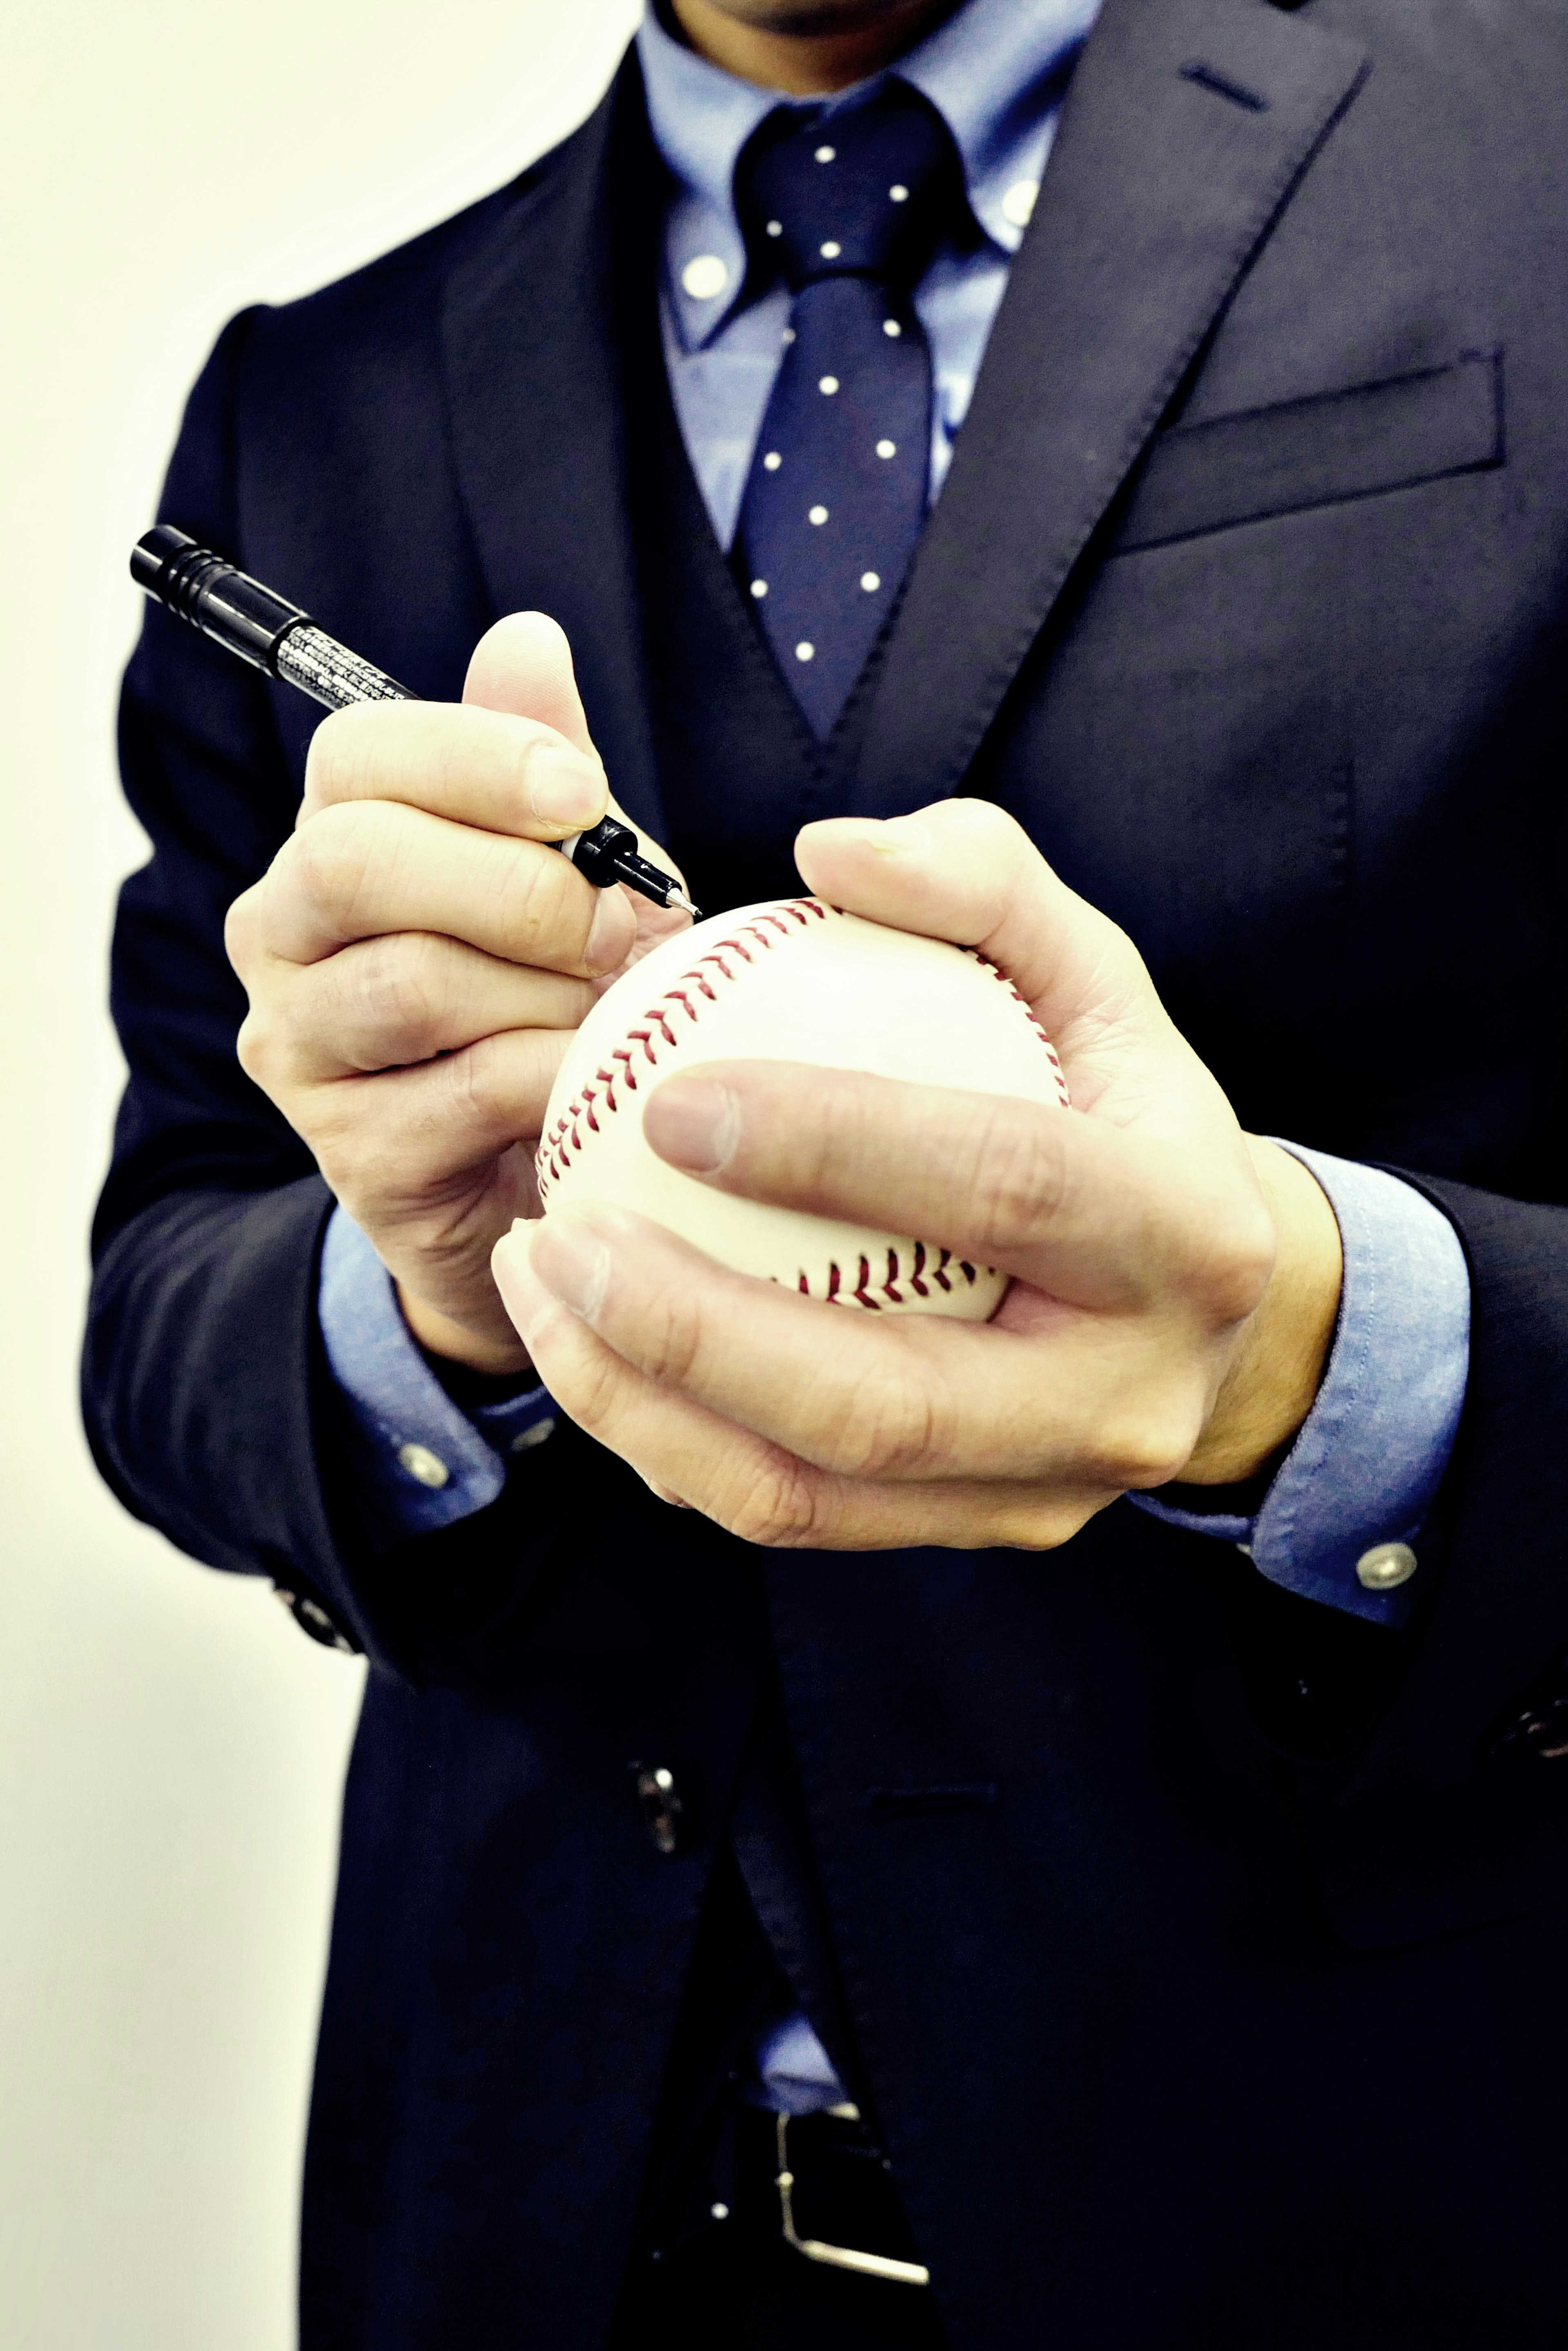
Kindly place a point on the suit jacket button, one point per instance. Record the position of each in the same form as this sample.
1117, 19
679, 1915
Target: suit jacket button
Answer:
1385, 1566
1539, 1733
660, 1803
312, 1618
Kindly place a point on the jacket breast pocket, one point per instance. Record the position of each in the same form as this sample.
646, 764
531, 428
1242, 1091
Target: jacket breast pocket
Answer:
1316, 452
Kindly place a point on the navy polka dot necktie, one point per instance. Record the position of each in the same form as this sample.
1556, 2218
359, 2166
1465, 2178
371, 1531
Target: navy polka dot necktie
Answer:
847, 211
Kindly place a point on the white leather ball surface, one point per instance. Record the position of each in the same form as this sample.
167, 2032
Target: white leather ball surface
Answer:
791, 980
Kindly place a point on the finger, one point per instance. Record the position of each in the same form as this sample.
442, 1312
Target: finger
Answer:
489, 768
385, 1003
897, 1397
359, 873
406, 1134
964, 871
759, 1490
1079, 1207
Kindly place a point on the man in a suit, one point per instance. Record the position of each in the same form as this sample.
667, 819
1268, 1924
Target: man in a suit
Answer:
1086, 1797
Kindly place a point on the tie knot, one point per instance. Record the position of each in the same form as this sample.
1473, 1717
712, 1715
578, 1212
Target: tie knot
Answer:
864, 194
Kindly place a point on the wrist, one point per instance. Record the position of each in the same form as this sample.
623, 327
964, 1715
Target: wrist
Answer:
1277, 1368
491, 1353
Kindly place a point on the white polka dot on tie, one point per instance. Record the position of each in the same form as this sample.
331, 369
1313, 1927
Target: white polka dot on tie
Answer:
705, 277
819, 515
759, 588
887, 448
772, 462
804, 652
870, 582
826, 154
828, 384
832, 250
788, 336
775, 228
899, 192
891, 327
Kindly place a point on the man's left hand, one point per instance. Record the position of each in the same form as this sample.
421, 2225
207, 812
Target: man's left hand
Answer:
1174, 1282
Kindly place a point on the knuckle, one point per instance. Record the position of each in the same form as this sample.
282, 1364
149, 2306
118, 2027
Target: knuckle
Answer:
254, 1049
327, 860
675, 1347
242, 926
590, 1384
536, 894
476, 1079
1018, 1176
777, 1511
340, 759
892, 1431
403, 994
1148, 1448
1033, 1524
493, 1091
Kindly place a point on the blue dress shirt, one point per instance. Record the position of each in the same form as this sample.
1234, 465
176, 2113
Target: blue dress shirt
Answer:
1368, 1460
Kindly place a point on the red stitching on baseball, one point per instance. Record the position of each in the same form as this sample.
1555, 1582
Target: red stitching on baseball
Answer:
1033, 1022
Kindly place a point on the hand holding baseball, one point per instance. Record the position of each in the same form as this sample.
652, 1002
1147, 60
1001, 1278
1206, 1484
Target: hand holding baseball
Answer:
417, 957
1174, 1282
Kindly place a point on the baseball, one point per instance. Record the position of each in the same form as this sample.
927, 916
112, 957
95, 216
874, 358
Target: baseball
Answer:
793, 980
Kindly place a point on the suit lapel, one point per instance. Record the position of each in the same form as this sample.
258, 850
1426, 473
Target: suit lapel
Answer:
1187, 126
536, 328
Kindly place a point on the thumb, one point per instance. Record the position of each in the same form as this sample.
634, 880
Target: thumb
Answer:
523, 665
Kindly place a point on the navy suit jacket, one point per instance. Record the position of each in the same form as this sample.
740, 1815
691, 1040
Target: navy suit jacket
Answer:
1226, 2005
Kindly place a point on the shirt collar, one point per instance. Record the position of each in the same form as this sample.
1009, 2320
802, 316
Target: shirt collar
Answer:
995, 71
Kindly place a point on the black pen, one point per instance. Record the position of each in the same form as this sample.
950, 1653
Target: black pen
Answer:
237, 613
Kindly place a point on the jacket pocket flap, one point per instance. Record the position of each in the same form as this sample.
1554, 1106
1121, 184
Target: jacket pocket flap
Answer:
1318, 451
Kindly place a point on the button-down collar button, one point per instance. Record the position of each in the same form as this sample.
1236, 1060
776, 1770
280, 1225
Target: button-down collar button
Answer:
425, 1465
527, 1438
1385, 1566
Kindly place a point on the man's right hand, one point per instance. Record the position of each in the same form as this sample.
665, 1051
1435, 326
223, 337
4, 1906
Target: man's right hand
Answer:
416, 957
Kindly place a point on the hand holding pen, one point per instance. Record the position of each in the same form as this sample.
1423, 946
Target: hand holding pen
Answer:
264, 629
417, 955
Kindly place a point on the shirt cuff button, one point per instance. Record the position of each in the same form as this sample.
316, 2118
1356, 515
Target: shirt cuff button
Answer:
1385, 1566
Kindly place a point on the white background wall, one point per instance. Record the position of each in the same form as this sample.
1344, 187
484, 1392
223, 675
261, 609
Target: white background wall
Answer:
170, 1749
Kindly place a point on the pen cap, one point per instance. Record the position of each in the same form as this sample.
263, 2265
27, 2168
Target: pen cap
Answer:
215, 598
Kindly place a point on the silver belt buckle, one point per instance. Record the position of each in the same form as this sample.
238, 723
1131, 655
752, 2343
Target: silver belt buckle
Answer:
838, 2257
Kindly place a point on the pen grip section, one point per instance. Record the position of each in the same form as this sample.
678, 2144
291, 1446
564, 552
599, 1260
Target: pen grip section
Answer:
319, 666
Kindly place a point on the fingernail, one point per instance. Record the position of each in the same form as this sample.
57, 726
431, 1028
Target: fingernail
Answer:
694, 1122
568, 1256
903, 832
610, 934
563, 787
523, 1294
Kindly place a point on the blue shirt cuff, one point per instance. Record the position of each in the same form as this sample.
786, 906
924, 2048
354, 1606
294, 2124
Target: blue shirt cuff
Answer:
420, 1462
1371, 1454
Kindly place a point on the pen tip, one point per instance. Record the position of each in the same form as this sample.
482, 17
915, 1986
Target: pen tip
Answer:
679, 898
